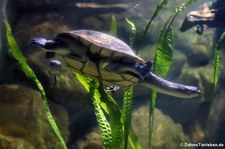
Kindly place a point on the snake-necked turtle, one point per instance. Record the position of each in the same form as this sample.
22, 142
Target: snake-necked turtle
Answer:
211, 15
108, 59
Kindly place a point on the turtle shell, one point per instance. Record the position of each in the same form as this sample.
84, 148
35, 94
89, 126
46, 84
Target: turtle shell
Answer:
100, 50
103, 44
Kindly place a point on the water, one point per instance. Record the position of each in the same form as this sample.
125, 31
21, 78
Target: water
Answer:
178, 122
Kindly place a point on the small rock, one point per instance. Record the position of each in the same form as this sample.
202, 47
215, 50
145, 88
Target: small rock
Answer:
177, 65
92, 140
45, 25
197, 49
23, 116
166, 134
215, 127
14, 143
209, 122
201, 77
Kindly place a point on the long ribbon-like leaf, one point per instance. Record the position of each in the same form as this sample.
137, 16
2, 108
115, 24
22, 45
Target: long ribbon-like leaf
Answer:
132, 32
127, 114
133, 140
92, 87
85, 81
113, 27
164, 53
115, 118
129, 135
104, 125
217, 62
163, 59
15, 50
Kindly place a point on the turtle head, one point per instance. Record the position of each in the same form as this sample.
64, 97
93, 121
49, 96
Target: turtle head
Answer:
188, 91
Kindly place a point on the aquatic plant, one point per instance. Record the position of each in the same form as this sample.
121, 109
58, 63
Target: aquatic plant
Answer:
164, 54
17, 54
215, 82
113, 27
217, 62
117, 131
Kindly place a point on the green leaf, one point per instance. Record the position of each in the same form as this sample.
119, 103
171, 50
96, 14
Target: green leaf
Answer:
164, 50
151, 105
127, 114
178, 9
163, 59
112, 131
217, 62
129, 135
132, 32
183, 5
133, 140
85, 81
100, 117
114, 118
15, 50
113, 27
164, 53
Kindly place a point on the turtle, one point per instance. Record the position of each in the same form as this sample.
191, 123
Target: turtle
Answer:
107, 59
208, 17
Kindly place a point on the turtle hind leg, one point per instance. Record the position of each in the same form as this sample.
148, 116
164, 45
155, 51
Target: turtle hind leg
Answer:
47, 44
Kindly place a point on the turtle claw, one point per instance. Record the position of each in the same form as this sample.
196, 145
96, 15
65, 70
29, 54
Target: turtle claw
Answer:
112, 88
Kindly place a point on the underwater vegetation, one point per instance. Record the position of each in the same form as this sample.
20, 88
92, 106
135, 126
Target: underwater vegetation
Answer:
115, 121
15, 50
